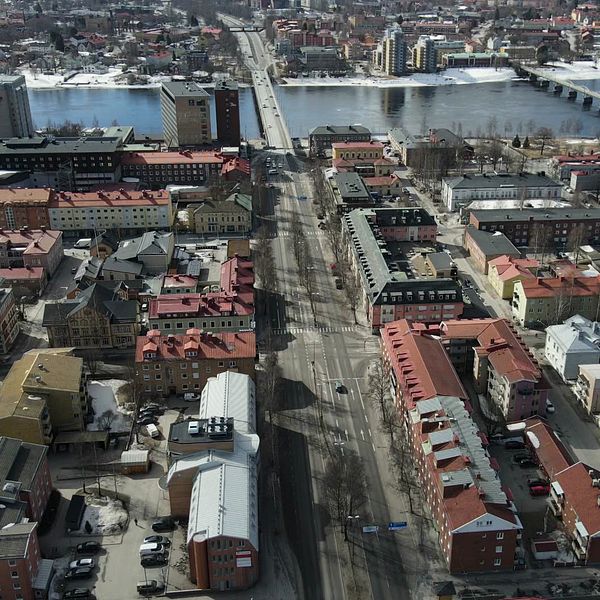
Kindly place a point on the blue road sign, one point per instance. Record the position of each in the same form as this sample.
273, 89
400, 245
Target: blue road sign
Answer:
396, 525
370, 529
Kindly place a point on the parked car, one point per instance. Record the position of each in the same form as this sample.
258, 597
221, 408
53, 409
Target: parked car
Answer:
536, 482
514, 445
163, 524
539, 490
74, 270
191, 397
527, 463
77, 594
549, 406
88, 548
79, 573
154, 408
157, 560
339, 387
147, 420
151, 586
144, 307
157, 539
82, 562
338, 284
517, 458
152, 549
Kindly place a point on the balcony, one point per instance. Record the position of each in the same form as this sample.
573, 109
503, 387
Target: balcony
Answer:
579, 552
555, 507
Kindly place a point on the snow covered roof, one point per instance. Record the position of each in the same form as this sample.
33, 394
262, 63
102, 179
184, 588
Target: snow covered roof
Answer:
230, 394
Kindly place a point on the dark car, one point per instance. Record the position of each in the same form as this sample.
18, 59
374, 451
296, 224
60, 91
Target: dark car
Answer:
88, 548
149, 587
163, 524
147, 420
77, 594
527, 463
157, 539
517, 458
514, 445
153, 408
338, 284
79, 573
539, 490
158, 560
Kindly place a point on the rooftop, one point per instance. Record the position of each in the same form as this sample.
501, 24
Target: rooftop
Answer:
492, 244
109, 199
214, 429
351, 185
550, 287
39, 196
169, 158
340, 130
531, 214
551, 452
184, 88
19, 462
500, 180
576, 334
14, 540
60, 145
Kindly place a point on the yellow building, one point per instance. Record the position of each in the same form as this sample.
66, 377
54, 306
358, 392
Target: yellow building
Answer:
43, 393
505, 271
356, 150
232, 215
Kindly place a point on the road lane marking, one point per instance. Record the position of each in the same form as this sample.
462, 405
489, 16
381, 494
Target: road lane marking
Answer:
362, 403
370, 434
337, 423
362, 435
347, 437
373, 446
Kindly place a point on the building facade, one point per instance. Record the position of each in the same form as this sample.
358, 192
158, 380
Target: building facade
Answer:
424, 55
232, 216
485, 247
9, 320
505, 271
15, 114
227, 109
31, 248
321, 138
185, 111
587, 388
394, 52
176, 364
24, 207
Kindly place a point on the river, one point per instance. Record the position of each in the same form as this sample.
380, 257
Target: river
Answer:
509, 107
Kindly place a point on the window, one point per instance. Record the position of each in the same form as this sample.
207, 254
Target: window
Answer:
14, 574
497, 562
12, 563
500, 535
498, 549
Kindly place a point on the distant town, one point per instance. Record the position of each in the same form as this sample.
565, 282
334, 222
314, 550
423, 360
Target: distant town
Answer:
339, 362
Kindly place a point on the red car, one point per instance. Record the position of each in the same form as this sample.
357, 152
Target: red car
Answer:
539, 490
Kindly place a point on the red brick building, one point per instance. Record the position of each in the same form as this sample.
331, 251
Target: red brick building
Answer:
479, 529
24, 207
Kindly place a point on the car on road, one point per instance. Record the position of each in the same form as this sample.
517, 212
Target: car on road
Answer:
539, 490
302, 197
163, 524
528, 463
147, 420
144, 307
153, 408
322, 225
338, 284
158, 560
517, 458
82, 562
535, 482
157, 539
514, 445
79, 573
74, 270
77, 594
151, 586
88, 548
549, 406
191, 397
339, 387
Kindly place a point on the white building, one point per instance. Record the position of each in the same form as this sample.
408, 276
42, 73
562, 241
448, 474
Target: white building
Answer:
576, 342
96, 211
587, 388
460, 191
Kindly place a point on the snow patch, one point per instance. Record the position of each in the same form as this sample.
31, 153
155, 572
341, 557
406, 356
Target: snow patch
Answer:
535, 441
104, 396
105, 515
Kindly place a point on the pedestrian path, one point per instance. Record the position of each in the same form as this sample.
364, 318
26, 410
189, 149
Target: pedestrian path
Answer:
297, 330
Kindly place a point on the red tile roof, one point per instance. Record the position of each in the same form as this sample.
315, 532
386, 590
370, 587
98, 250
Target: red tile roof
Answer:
576, 483
551, 287
171, 158
236, 164
509, 267
412, 354
209, 304
550, 451
209, 346
19, 273
39, 196
348, 145
34, 241
112, 199
178, 281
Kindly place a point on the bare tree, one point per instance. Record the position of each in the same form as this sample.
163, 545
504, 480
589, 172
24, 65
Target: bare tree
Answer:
544, 135
91, 360
344, 486
563, 301
541, 239
353, 291
577, 237
106, 419
495, 150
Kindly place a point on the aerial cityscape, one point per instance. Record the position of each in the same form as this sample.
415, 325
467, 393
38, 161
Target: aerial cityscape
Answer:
300, 300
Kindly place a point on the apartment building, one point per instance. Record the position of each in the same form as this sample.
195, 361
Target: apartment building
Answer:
501, 365
179, 284
126, 211
180, 363
478, 527
356, 150
185, 111
26, 282
505, 271
64, 163
564, 165
394, 51
24, 207
227, 109
424, 54
25, 476
485, 247
388, 293
546, 301
322, 137
465, 60
232, 215
571, 344
549, 228
43, 394
9, 320
31, 248
587, 388
460, 191
230, 309
24, 574
15, 114
98, 317
159, 169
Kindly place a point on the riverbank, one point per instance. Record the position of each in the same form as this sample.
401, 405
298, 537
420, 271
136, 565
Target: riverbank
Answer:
113, 79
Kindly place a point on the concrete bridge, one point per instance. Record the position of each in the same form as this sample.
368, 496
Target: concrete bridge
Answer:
544, 79
248, 28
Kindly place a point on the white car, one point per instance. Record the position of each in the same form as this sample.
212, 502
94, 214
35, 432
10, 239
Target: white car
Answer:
82, 562
189, 397
549, 407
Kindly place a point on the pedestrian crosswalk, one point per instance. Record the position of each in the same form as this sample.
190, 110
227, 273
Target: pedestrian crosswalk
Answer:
308, 233
297, 330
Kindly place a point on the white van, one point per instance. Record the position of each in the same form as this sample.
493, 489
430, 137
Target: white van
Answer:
152, 430
152, 549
